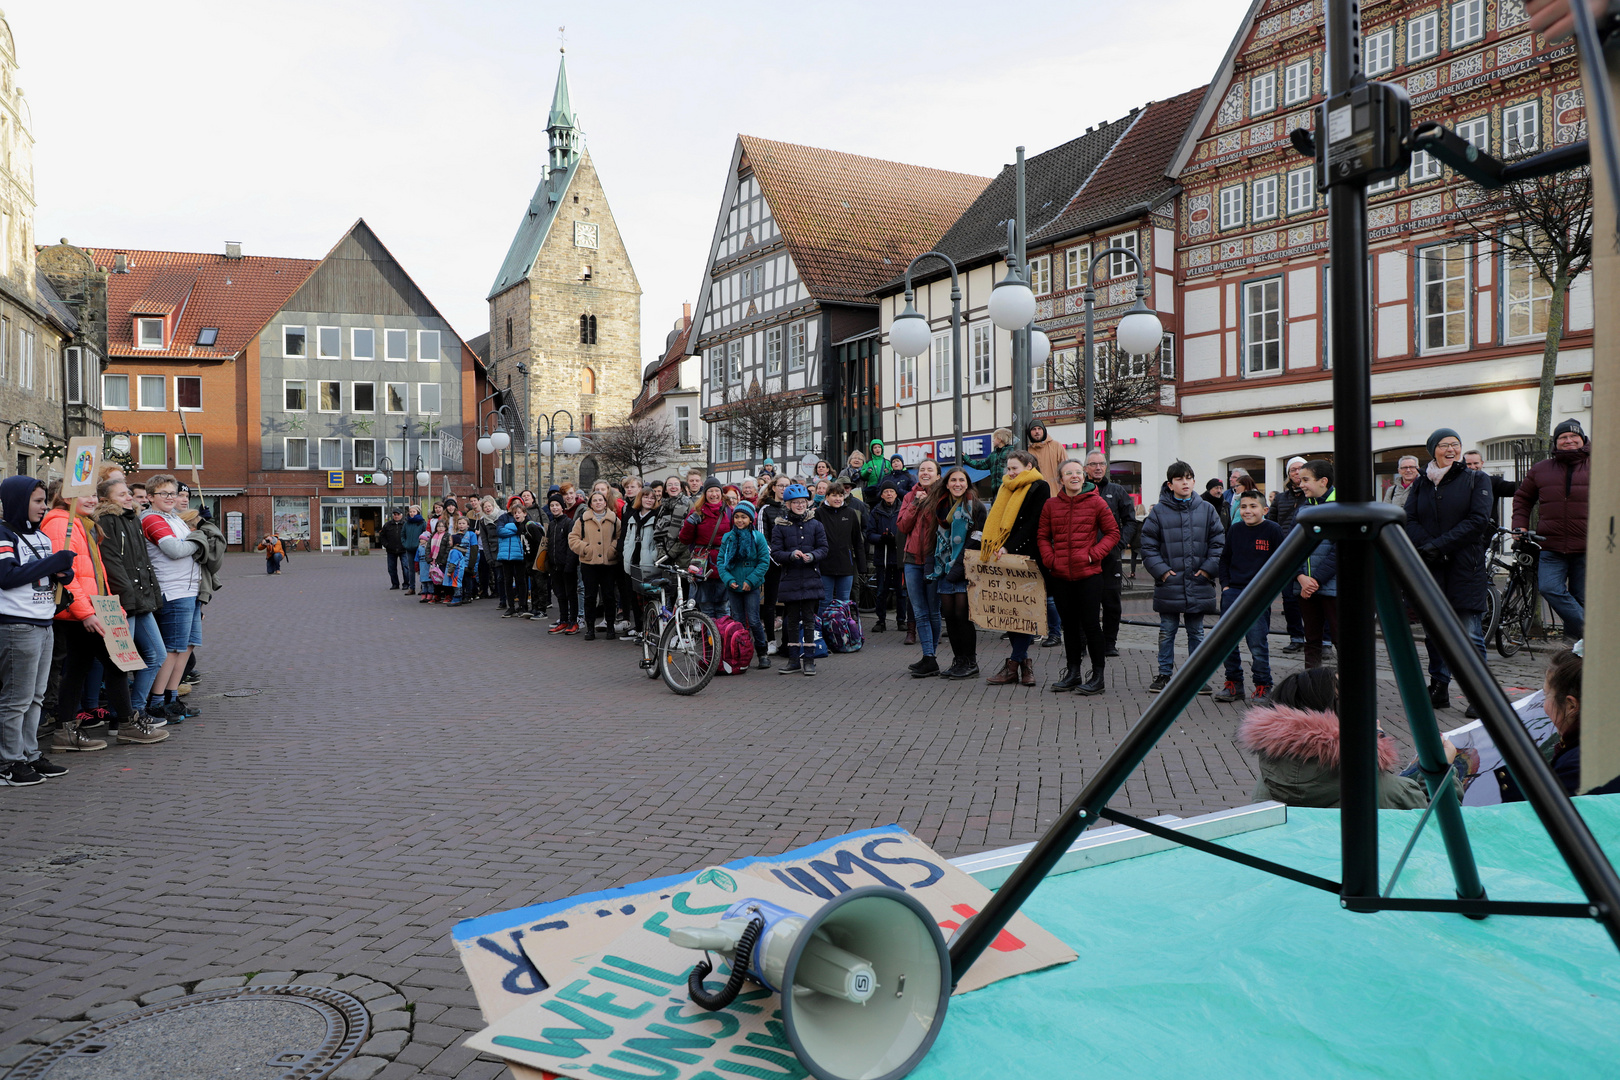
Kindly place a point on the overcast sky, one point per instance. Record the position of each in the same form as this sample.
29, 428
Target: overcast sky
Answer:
177, 125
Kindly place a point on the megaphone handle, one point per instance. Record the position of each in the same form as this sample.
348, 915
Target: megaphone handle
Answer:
739, 971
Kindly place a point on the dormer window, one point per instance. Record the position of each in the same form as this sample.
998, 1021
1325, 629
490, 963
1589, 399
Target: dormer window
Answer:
149, 333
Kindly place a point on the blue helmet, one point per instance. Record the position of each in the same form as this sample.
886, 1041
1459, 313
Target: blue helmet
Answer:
795, 491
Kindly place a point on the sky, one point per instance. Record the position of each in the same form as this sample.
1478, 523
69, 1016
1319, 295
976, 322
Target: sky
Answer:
177, 125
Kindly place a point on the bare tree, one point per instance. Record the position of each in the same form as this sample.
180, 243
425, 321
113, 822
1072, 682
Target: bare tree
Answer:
759, 423
1122, 388
1542, 229
635, 447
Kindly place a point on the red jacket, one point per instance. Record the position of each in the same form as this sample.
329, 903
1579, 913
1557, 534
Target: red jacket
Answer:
702, 530
1075, 532
1559, 484
908, 526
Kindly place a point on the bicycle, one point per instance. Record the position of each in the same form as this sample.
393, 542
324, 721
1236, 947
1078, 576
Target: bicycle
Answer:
679, 643
1513, 617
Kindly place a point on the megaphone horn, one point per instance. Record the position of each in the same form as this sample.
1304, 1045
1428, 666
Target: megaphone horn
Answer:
865, 980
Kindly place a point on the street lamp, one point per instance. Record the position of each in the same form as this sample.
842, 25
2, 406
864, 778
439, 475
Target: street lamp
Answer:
496, 440
385, 475
548, 445
523, 370
1138, 333
910, 334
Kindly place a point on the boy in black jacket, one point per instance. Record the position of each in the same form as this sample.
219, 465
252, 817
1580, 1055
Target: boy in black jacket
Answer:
883, 532
846, 546
1250, 542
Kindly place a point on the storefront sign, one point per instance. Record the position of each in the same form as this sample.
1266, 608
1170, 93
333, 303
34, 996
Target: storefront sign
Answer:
914, 453
334, 479
945, 449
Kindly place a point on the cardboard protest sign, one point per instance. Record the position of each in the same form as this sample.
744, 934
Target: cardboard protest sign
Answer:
1474, 743
1007, 594
120, 643
83, 458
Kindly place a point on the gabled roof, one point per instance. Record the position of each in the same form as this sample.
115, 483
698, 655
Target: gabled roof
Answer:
236, 296
1214, 92
52, 304
1052, 179
665, 372
852, 222
1132, 176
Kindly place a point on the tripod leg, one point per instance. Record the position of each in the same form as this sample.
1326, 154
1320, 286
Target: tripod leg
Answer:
1403, 658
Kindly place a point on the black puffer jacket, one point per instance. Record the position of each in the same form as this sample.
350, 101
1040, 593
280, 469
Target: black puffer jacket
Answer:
1445, 521
123, 551
560, 558
1289, 501
846, 540
1186, 536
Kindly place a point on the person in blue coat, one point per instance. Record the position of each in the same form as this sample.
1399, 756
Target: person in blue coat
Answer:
1318, 577
1182, 540
513, 572
744, 559
798, 544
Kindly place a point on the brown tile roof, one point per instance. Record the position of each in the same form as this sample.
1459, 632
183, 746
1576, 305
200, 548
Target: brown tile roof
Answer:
663, 374
851, 222
237, 296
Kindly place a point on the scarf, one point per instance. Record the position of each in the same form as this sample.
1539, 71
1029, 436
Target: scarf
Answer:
948, 541
1437, 472
998, 526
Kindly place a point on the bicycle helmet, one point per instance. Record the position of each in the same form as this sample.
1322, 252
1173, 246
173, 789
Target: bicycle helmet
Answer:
795, 491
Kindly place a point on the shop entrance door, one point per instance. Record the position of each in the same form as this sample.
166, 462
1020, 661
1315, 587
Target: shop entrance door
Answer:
366, 521
334, 528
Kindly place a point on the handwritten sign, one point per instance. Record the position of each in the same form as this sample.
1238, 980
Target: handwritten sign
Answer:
120, 643
1007, 594
83, 458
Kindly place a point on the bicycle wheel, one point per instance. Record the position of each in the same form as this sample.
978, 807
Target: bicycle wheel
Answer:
689, 652
1492, 614
1513, 627
649, 638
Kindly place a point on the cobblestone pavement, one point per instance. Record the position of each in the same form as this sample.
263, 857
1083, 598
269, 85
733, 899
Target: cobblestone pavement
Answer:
403, 767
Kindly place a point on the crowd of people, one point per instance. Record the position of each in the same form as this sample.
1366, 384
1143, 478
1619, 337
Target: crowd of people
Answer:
61, 688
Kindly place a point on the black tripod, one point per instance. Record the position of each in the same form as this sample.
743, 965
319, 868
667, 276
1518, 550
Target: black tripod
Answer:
1376, 560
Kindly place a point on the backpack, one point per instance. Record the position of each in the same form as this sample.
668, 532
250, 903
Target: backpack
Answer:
840, 626
736, 646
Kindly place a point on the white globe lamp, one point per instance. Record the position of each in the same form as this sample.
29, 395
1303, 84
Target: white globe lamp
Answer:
910, 334
545, 446
422, 477
1012, 304
1139, 332
500, 440
485, 446
570, 444
379, 478
1040, 348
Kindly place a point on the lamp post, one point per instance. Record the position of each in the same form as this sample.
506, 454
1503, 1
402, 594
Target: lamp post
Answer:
1139, 332
910, 335
523, 370
385, 471
494, 439
420, 478
548, 445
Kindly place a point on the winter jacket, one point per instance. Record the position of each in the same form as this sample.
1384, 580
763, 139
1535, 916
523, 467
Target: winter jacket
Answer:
744, 558
595, 540
640, 547
957, 571
667, 527
702, 529
995, 462
172, 555
508, 540
392, 536
560, 557
410, 532
123, 553
917, 537
1299, 760
533, 534
1247, 549
27, 562
1049, 458
875, 469
89, 578
1021, 538
1184, 536
1323, 563
210, 557
1444, 522
1124, 507
846, 540
1077, 532
1560, 485
489, 540
883, 533
800, 580
1396, 494
1285, 506
902, 480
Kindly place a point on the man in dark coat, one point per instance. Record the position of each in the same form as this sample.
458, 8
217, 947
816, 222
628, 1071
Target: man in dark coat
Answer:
393, 543
1124, 507
1445, 512
1285, 503
1559, 485
410, 533
1182, 540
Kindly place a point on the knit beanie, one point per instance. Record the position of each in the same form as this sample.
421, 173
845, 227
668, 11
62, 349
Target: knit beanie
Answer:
1438, 434
744, 507
711, 482
1567, 426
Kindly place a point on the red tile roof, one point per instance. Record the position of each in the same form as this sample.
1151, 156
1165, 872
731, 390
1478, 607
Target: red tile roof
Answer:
665, 373
237, 296
851, 222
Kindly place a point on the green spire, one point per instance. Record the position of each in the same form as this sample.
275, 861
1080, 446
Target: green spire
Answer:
562, 113
561, 125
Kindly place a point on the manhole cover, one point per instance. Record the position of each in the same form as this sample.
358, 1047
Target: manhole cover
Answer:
249, 1033
240, 693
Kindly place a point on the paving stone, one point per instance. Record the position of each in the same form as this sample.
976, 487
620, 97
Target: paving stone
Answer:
316, 978
350, 983
228, 982
390, 1021
273, 978
16, 1054
112, 1008
386, 1044
372, 991
359, 1068
162, 993
386, 1004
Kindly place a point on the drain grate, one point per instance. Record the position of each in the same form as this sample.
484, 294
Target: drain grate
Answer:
247, 1033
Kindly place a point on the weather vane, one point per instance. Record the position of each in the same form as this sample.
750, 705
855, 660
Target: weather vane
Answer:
562, 39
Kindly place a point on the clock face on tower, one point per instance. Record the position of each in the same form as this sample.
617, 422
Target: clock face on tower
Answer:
584, 234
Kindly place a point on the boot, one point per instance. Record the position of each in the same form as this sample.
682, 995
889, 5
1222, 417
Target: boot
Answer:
70, 737
1067, 681
1006, 676
809, 666
911, 635
880, 626
1232, 691
1052, 640
764, 661
1094, 683
925, 668
1439, 694
1026, 672
963, 667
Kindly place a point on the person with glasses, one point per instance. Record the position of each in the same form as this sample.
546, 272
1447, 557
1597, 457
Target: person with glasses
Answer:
1406, 471
174, 557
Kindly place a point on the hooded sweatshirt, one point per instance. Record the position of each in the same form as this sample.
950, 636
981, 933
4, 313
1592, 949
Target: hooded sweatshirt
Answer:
26, 558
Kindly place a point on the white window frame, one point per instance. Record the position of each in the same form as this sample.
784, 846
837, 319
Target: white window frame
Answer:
1040, 275
321, 446
905, 379
717, 365
1066, 368
1077, 265
734, 362
773, 351
105, 381
141, 327
1231, 207
1425, 167
303, 388
1167, 358
1039, 377
1263, 94
303, 345
145, 462
1118, 265
1532, 294
73, 363
421, 405
1381, 186
798, 346
320, 344
1263, 199
354, 452
320, 389
1467, 22
404, 398
197, 441
1423, 37
424, 355
1516, 120
188, 408
432, 451
355, 333
286, 452
354, 397
1425, 317
939, 365
141, 383
1302, 190
982, 355
1256, 341
1476, 131
1297, 82
683, 425
394, 450
402, 336
1379, 51
26, 342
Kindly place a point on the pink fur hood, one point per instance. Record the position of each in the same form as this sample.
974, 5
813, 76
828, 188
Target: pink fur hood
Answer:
1282, 732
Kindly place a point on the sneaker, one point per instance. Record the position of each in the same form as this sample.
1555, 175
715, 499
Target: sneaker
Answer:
809, 666
1232, 691
74, 738
1052, 640
573, 629
771, 649
140, 729
170, 712
526, 615
153, 715
880, 627
925, 668
47, 768
194, 677
1262, 696
90, 720
764, 662
18, 774
1207, 688
1294, 647
1158, 684
103, 716
792, 667
509, 614
961, 669
557, 628
1110, 652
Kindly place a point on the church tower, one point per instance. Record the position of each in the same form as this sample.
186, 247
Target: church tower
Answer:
566, 303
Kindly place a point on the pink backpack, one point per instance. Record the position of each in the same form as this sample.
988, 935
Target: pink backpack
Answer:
736, 646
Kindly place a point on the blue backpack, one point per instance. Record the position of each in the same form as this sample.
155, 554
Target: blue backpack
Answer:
840, 626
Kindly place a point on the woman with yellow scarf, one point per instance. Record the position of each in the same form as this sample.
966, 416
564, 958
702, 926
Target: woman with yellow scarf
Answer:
1011, 528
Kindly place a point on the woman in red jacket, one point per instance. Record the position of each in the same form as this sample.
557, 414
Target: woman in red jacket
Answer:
1077, 530
702, 530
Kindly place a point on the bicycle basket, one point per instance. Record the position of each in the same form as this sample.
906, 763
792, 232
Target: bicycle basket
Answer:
648, 581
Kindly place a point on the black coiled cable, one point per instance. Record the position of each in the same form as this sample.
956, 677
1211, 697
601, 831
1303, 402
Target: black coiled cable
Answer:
739, 971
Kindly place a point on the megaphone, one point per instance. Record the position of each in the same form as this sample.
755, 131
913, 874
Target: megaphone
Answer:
864, 980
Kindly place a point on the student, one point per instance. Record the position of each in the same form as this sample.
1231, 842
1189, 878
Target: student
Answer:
1182, 540
846, 546
995, 462
744, 557
959, 518
798, 544
916, 535
639, 551
132, 578
1012, 528
883, 533
1077, 532
595, 539
563, 566
174, 557
1249, 545
465, 540
1318, 578
513, 573
702, 529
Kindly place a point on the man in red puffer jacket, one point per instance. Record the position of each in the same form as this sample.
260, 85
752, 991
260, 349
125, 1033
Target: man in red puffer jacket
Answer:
1077, 531
1560, 485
